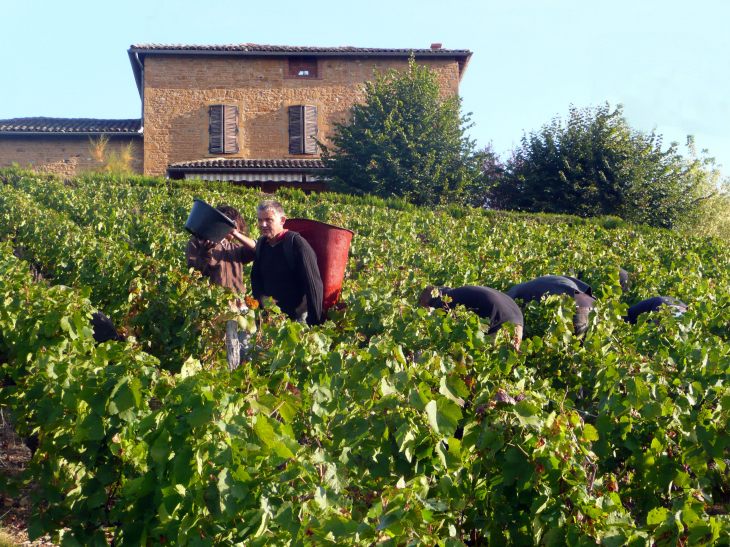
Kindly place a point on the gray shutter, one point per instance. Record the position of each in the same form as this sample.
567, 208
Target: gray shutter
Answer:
296, 143
215, 129
310, 130
230, 129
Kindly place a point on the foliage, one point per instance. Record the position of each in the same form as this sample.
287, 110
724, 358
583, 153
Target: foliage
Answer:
595, 164
404, 139
713, 218
109, 161
388, 424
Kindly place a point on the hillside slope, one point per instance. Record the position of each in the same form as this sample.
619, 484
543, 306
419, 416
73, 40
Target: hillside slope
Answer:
388, 423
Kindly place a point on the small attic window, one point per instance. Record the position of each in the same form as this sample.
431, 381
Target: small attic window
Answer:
303, 67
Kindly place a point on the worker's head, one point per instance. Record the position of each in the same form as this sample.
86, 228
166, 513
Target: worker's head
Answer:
425, 297
271, 218
623, 279
583, 304
236, 217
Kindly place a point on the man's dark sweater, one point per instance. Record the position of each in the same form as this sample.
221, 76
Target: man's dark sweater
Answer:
651, 305
297, 291
486, 302
546, 285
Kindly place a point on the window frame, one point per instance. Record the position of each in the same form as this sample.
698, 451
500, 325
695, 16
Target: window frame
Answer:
303, 114
229, 144
316, 62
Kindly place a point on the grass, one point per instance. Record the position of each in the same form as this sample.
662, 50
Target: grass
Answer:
7, 541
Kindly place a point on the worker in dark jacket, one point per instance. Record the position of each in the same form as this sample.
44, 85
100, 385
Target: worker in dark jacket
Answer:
559, 284
285, 268
546, 285
486, 302
650, 305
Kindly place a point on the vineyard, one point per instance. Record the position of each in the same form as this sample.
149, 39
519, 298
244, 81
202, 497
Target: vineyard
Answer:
388, 425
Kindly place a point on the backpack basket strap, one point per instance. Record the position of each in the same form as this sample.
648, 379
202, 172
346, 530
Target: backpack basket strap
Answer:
259, 242
289, 248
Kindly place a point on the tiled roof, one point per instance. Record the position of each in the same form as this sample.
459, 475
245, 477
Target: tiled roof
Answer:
69, 125
249, 164
137, 53
259, 48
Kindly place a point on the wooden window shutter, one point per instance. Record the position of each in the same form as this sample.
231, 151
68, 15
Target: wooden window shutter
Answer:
310, 130
296, 143
223, 129
215, 129
230, 129
302, 127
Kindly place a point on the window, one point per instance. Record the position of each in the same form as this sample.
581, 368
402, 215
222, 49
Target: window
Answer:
303, 67
302, 127
223, 129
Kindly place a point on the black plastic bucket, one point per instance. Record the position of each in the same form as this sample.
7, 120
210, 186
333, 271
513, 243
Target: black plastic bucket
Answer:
207, 222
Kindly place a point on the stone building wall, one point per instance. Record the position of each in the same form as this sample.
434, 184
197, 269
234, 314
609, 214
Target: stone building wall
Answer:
65, 155
179, 88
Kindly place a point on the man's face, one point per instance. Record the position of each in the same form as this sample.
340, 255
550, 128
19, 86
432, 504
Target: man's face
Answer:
270, 224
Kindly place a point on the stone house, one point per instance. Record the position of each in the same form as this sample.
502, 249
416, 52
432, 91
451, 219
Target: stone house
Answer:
242, 113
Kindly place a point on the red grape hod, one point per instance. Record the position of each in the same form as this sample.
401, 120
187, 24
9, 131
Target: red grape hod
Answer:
331, 244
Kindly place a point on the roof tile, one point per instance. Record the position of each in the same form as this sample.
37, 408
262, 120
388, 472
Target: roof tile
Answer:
249, 164
255, 48
69, 125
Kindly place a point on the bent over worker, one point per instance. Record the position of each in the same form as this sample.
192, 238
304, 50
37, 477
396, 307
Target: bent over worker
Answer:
285, 268
559, 284
486, 302
650, 305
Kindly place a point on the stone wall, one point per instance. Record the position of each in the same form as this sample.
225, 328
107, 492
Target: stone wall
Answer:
179, 88
65, 155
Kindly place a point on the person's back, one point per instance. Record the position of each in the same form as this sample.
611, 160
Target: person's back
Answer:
548, 285
486, 302
557, 285
285, 268
103, 329
653, 304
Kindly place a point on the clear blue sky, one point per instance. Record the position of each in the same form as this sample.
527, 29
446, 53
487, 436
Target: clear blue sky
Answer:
667, 62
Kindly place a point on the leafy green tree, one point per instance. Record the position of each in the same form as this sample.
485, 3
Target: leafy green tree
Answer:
404, 139
712, 215
595, 164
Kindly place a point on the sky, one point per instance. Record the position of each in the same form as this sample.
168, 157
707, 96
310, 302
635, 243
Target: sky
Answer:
667, 62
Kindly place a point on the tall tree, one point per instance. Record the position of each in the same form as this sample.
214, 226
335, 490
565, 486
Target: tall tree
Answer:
404, 139
596, 164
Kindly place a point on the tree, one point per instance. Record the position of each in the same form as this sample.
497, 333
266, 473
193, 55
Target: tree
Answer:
712, 215
404, 139
596, 164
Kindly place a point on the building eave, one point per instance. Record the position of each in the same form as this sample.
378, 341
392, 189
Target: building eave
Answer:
303, 170
137, 56
69, 133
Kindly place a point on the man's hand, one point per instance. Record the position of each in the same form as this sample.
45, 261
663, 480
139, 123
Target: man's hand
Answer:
207, 245
267, 302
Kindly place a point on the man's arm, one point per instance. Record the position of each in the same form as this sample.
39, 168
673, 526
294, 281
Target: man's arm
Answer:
244, 240
243, 253
308, 270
